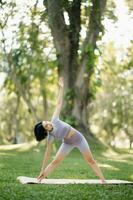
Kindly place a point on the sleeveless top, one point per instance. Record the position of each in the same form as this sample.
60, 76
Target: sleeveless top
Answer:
60, 129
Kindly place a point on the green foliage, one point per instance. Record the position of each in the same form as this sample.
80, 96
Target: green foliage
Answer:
71, 120
130, 4
110, 10
9, 85
91, 59
69, 97
95, 84
70, 94
30, 73
113, 104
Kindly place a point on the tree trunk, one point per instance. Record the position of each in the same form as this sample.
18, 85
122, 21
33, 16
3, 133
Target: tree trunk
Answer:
16, 121
87, 61
76, 70
130, 145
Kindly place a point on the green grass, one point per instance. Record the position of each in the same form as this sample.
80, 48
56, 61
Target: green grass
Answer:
115, 164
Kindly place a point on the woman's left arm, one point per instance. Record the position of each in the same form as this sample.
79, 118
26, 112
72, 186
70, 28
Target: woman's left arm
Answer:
60, 98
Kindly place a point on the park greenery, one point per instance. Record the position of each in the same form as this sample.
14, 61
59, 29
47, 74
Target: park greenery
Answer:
42, 40
24, 160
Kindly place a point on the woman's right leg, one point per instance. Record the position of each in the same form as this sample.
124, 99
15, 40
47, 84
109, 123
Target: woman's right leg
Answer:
63, 151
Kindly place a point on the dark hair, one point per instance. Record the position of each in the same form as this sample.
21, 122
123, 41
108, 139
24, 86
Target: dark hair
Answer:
40, 132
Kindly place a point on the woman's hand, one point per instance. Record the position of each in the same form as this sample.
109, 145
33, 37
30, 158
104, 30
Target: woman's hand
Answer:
41, 176
61, 82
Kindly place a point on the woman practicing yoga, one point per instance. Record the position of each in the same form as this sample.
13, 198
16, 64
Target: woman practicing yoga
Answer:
70, 138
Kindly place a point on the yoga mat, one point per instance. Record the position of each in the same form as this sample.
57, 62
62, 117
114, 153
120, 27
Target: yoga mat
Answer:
29, 180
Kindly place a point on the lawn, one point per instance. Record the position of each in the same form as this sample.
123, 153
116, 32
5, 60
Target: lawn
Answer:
26, 160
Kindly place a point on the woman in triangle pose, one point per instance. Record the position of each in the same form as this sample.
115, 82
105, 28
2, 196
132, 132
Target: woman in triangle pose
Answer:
58, 129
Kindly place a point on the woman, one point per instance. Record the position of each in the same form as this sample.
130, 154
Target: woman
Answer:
70, 138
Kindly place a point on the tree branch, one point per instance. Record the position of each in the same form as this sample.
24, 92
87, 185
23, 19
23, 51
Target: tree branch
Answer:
75, 22
57, 24
89, 44
95, 25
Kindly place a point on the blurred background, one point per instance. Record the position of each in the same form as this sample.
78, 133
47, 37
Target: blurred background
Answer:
90, 44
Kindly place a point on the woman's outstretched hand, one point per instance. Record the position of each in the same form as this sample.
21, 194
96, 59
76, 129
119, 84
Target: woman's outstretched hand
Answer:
61, 82
41, 176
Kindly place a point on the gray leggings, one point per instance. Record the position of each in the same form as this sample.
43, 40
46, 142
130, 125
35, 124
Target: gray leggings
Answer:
77, 140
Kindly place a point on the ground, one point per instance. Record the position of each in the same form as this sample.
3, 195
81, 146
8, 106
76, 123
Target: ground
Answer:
25, 160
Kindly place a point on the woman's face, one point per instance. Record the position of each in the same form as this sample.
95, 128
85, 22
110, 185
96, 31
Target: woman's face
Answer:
47, 125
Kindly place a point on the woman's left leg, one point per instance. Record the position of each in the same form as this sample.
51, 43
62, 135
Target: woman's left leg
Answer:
92, 163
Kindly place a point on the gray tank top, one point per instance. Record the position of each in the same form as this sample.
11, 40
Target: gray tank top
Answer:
60, 129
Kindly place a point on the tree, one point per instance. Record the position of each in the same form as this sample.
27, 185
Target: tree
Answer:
25, 61
75, 56
29, 72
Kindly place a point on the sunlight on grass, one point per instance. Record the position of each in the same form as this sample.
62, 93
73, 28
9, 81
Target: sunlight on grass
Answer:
119, 157
7, 154
131, 176
109, 167
19, 147
27, 146
109, 153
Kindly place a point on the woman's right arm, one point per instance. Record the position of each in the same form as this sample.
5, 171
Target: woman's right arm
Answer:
46, 155
50, 139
